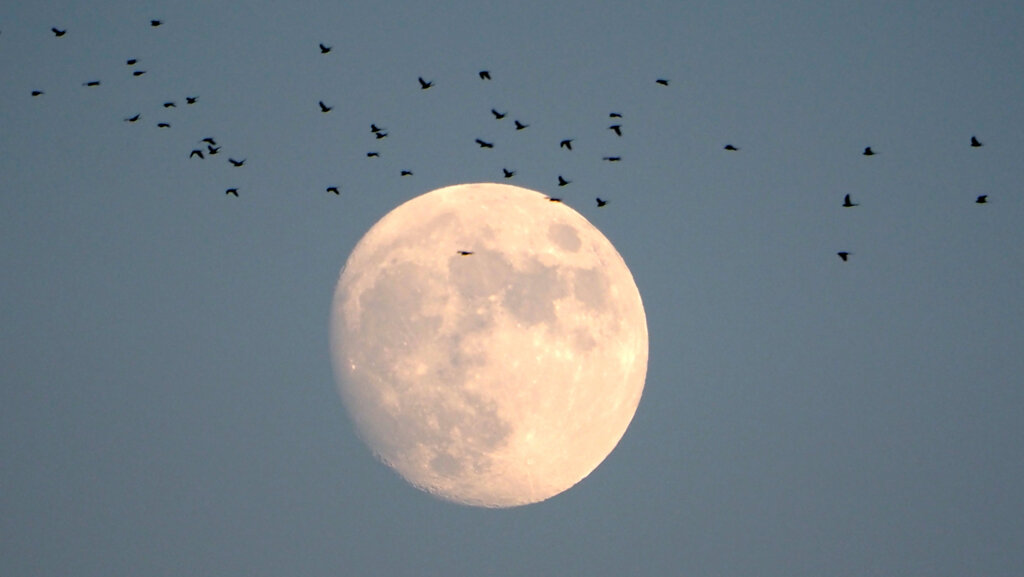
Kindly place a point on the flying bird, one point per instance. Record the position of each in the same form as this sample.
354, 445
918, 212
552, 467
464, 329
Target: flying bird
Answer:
554, 199
372, 155
498, 115
138, 73
614, 115
324, 49
843, 255
406, 173
163, 125
380, 135
975, 143
567, 144
613, 158
233, 191
324, 108
600, 202
484, 144
982, 199
91, 83
236, 162
133, 118
464, 252
508, 173
212, 149
616, 128
562, 181
191, 99
375, 128
847, 203
868, 151
662, 81
58, 32
196, 152
131, 61
37, 93
730, 148
333, 189
520, 125
209, 141
170, 104
155, 23
424, 84
485, 75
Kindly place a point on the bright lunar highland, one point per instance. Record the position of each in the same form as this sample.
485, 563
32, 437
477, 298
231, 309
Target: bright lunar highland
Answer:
496, 378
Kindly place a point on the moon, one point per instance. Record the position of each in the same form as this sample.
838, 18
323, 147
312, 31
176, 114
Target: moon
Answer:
489, 344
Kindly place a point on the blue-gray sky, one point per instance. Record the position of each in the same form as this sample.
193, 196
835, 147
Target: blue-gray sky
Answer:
167, 404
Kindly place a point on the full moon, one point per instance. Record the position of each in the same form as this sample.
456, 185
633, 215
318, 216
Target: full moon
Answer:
489, 344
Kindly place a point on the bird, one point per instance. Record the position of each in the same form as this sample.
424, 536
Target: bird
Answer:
209, 140
982, 199
614, 115
613, 158
133, 118
520, 125
616, 128
600, 202
58, 32
333, 189
498, 115
236, 162
868, 151
484, 144
138, 73
375, 128
661, 81
554, 199
843, 255
324, 49
567, 144
155, 23
170, 104
196, 152
485, 75
91, 83
372, 155
406, 173
131, 61
562, 181
324, 108
380, 135
508, 173
38, 93
163, 125
975, 143
212, 149
730, 148
191, 99
233, 191
847, 203
424, 84
464, 252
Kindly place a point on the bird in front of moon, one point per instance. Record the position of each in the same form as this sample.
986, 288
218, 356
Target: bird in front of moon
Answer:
490, 345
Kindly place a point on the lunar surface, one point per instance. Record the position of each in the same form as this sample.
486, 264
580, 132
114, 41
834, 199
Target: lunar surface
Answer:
496, 378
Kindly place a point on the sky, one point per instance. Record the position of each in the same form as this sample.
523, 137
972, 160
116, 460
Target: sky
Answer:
167, 402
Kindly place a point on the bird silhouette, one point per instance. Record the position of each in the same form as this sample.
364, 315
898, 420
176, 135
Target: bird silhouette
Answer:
236, 162
562, 181
406, 173
843, 255
730, 148
424, 84
508, 173
91, 83
662, 81
324, 108
613, 158
567, 144
614, 115
484, 144
170, 104
975, 143
554, 199
847, 203
485, 75
616, 128
372, 155
196, 152
498, 115
209, 140
333, 189
58, 32
138, 73
982, 199
600, 202
133, 118
38, 93
155, 23
163, 125
131, 61
324, 49
191, 99
520, 125
233, 191
375, 128
464, 252
868, 151
380, 135
212, 149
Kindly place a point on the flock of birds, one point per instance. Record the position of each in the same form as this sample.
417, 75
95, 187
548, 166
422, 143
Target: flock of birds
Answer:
209, 147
